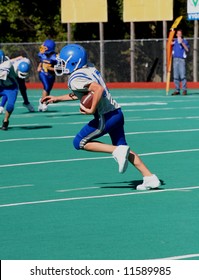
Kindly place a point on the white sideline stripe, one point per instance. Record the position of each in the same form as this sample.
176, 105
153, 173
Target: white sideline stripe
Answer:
164, 131
93, 158
170, 152
95, 197
143, 103
128, 133
78, 189
34, 139
161, 119
17, 186
160, 109
180, 257
51, 161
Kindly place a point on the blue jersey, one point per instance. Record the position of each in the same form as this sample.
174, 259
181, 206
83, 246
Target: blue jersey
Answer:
48, 60
178, 49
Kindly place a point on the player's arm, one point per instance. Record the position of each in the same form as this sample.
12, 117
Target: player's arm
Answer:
47, 67
5, 69
39, 67
185, 46
97, 94
61, 98
16, 58
50, 68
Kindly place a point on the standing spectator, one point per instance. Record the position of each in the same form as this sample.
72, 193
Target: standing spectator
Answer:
180, 49
47, 56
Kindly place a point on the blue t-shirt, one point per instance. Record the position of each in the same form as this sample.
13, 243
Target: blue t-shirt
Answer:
178, 49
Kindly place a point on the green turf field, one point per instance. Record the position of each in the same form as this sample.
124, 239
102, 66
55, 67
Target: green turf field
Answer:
61, 204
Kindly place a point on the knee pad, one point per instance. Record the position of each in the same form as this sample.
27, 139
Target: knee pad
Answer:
79, 142
76, 142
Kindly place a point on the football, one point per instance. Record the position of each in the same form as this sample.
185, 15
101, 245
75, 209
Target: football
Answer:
87, 100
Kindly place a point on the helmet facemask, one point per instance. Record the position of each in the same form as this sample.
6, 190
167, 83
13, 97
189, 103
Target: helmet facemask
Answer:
66, 67
22, 75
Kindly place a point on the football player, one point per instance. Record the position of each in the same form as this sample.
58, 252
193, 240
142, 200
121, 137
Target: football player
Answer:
108, 116
48, 60
22, 68
8, 87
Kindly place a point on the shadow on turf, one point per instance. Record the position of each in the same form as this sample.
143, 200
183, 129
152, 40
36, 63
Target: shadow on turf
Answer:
37, 112
51, 112
31, 127
131, 185
193, 93
66, 115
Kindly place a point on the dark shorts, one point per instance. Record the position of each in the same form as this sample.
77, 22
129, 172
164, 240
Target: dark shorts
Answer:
111, 123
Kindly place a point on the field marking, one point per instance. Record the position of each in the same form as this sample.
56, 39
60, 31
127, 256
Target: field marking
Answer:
127, 104
94, 197
34, 139
160, 109
77, 189
160, 119
180, 257
51, 161
16, 186
92, 158
127, 133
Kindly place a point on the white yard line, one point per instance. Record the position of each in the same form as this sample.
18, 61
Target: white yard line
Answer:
128, 133
92, 158
95, 197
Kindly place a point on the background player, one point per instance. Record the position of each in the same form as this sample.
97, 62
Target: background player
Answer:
45, 68
108, 117
22, 68
8, 87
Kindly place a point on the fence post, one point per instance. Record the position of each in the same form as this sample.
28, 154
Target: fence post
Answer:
101, 30
164, 50
68, 32
195, 52
132, 50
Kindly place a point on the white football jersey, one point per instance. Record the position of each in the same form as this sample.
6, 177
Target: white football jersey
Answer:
17, 61
80, 79
7, 74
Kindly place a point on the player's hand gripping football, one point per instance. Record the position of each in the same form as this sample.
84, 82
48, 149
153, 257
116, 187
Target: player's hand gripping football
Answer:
49, 99
85, 111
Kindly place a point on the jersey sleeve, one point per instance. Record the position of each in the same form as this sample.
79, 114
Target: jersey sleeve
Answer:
5, 69
79, 82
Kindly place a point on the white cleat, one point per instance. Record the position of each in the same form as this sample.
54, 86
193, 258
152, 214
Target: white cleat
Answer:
1, 110
121, 154
149, 182
42, 106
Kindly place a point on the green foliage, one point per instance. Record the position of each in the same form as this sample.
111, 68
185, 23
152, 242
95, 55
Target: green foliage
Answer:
30, 21
36, 20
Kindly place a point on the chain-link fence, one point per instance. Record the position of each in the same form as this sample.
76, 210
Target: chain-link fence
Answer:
148, 59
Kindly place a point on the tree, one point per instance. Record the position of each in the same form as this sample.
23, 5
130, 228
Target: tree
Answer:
24, 21
34, 21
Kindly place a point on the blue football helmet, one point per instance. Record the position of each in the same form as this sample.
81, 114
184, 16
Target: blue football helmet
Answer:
2, 56
47, 47
71, 58
23, 70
